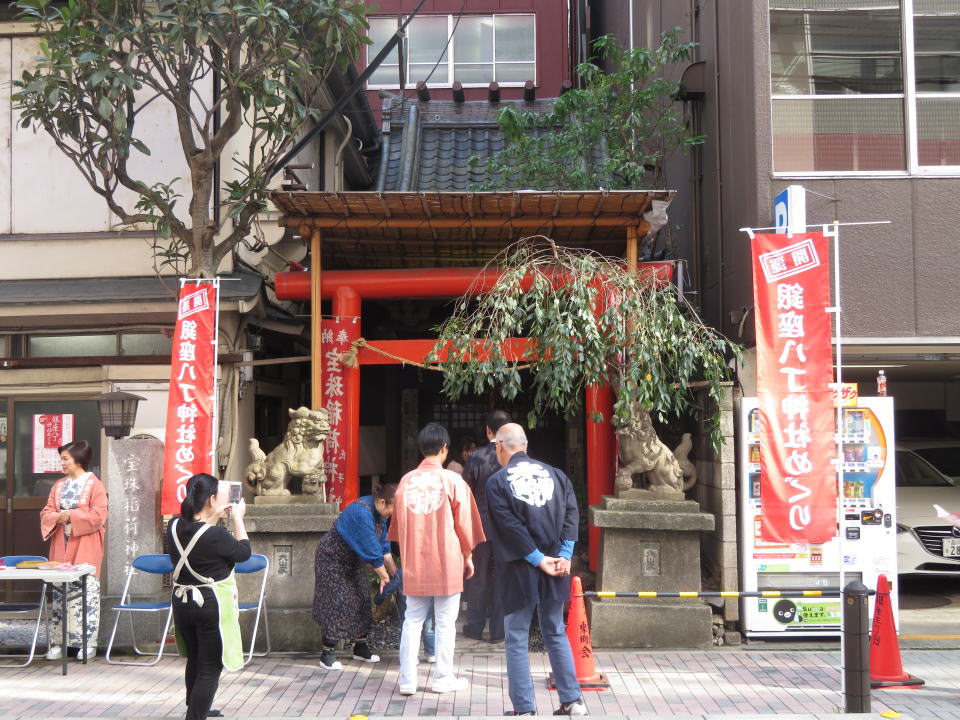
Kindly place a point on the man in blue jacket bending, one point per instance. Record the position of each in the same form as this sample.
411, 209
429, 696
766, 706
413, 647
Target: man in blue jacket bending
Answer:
533, 527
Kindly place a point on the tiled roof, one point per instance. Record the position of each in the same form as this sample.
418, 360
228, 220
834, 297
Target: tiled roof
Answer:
427, 146
241, 285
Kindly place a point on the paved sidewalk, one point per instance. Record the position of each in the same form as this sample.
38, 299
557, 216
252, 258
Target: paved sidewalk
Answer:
734, 682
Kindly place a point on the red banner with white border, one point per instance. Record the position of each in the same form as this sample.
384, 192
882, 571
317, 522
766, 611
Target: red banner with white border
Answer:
188, 449
798, 485
336, 334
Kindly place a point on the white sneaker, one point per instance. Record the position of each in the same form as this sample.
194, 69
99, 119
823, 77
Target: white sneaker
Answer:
408, 689
91, 654
429, 658
577, 707
54, 652
450, 684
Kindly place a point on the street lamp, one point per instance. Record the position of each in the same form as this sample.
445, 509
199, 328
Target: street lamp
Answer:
118, 412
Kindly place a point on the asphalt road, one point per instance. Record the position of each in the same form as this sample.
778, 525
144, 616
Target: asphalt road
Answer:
930, 611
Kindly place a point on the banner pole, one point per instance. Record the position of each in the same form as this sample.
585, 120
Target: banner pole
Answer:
215, 414
833, 232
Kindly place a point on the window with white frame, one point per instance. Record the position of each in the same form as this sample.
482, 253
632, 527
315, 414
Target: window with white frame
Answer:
865, 86
443, 49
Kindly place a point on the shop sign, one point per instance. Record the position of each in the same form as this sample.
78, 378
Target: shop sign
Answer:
845, 394
794, 373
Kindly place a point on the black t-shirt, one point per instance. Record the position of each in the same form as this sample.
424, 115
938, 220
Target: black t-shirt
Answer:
214, 555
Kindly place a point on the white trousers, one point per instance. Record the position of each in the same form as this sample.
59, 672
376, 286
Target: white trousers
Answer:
445, 611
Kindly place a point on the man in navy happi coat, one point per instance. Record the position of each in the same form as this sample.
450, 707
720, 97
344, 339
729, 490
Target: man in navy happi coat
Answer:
533, 527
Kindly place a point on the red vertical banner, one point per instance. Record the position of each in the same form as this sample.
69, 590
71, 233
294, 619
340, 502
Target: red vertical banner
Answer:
798, 486
336, 336
191, 408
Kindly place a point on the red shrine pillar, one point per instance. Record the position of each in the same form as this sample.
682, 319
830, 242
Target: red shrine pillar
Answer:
346, 303
601, 456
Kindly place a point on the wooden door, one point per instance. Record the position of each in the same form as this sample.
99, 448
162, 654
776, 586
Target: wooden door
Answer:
31, 470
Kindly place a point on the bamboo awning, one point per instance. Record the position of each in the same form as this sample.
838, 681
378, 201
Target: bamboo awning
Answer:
422, 229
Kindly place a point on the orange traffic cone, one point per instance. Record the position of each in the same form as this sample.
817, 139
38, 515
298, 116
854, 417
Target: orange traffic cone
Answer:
886, 668
578, 633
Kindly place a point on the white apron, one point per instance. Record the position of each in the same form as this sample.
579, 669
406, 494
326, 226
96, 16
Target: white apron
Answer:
225, 594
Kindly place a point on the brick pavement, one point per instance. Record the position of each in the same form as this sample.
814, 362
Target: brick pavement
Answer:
730, 682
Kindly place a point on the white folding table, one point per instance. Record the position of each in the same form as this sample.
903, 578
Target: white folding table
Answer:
62, 578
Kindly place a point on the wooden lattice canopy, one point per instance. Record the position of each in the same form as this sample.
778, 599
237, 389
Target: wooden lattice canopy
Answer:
411, 229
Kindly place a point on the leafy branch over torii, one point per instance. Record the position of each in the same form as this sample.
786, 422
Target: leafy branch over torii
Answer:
590, 321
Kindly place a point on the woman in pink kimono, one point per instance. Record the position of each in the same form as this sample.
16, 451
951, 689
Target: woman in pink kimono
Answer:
73, 521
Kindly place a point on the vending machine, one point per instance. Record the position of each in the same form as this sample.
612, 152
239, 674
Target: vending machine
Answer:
864, 547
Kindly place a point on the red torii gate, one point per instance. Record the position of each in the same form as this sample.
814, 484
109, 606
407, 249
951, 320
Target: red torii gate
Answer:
337, 213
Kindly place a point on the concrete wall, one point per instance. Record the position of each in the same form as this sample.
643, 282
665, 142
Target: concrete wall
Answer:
893, 277
715, 183
52, 222
716, 491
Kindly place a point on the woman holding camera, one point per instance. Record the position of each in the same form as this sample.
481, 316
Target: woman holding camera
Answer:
205, 608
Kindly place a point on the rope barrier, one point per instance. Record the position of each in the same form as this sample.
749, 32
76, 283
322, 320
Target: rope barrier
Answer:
349, 358
827, 593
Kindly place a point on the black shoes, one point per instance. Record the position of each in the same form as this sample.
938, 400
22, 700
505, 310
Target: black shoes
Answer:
472, 634
361, 651
328, 660
213, 712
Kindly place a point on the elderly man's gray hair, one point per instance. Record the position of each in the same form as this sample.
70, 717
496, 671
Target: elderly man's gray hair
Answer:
512, 437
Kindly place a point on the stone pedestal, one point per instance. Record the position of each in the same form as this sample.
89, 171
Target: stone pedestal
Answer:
654, 546
287, 533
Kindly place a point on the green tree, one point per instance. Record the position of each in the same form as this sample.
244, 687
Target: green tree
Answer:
589, 321
104, 62
614, 133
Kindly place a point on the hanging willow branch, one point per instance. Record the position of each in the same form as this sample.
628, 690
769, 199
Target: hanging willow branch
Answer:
590, 321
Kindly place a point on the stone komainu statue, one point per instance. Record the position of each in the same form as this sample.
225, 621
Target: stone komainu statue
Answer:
641, 452
300, 455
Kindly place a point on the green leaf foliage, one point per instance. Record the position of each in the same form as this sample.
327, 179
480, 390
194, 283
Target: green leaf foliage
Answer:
615, 132
238, 76
589, 321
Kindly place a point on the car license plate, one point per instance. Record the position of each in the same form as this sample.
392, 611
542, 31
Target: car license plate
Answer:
951, 547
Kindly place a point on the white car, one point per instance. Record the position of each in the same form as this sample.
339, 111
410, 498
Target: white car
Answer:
928, 517
943, 454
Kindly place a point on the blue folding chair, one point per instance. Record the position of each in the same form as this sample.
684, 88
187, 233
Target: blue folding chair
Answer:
40, 608
154, 565
256, 563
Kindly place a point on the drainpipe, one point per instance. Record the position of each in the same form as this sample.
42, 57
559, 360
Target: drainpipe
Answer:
338, 159
346, 97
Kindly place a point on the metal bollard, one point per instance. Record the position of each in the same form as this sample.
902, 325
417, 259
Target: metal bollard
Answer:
856, 648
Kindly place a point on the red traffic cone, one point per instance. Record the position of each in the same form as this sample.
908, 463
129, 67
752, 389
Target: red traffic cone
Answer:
578, 633
886, 668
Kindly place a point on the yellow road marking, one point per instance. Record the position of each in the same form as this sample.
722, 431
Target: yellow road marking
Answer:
930, 637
